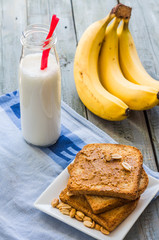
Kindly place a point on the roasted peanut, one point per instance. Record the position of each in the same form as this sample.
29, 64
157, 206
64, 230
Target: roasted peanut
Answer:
87, 224
78, 218
63, 205
65, 211
126, 166
69, 194
87, 219
116, 156
55, 202
80, 214
66, 207
72, 212
93, 224
104, 231
60, 205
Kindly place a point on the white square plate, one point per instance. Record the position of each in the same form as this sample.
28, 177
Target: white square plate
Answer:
43, 203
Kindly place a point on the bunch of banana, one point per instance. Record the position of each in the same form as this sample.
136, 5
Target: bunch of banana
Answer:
100, 83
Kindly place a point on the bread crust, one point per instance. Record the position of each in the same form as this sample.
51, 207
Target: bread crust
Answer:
144, 180
93, 173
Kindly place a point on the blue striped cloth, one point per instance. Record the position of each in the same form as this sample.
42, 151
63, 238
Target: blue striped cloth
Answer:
26, 171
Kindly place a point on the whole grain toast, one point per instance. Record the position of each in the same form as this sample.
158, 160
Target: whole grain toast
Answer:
94, 173
109, 220
101, 204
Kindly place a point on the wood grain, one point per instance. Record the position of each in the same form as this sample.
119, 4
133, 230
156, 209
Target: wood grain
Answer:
12, 20
37, 12
66, 46
151, 19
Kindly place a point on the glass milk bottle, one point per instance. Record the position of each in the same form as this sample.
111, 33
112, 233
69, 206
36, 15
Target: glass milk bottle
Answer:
40, 90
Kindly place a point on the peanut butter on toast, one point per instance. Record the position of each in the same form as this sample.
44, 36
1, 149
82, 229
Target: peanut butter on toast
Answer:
101, 204
94, 172
109, 220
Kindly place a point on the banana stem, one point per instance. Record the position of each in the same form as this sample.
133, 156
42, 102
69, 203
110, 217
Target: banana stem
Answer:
121, 11
127, 112
126, 24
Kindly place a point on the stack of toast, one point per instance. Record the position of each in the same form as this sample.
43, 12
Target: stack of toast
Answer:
105, 183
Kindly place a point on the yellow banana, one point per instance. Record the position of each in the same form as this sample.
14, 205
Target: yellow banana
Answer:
137, 97
91, 92
130, 63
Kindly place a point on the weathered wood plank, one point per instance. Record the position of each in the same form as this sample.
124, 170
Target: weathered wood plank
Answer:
66, 46
12, 21
145, 36
87, 12
37, 12
151, 18
41, 12
132, 131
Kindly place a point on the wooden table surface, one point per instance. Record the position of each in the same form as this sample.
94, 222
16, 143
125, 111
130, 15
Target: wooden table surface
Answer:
141, 129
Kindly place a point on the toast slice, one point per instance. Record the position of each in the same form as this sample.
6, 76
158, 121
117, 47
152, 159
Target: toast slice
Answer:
94, 173
109, 220
101, 204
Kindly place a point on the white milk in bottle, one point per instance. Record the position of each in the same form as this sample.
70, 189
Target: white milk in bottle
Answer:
40, 92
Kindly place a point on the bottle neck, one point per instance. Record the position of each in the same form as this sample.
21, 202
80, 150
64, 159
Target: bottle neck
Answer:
33, 39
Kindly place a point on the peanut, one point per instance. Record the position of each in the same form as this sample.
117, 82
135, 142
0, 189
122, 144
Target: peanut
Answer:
63, 205
87, 219
78, 218
72, 212
80, 214
116, 156
93, 225
66, 207
87, 224
65, 211
104, 231
126, 166
55, 202
69, 194
60, 205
